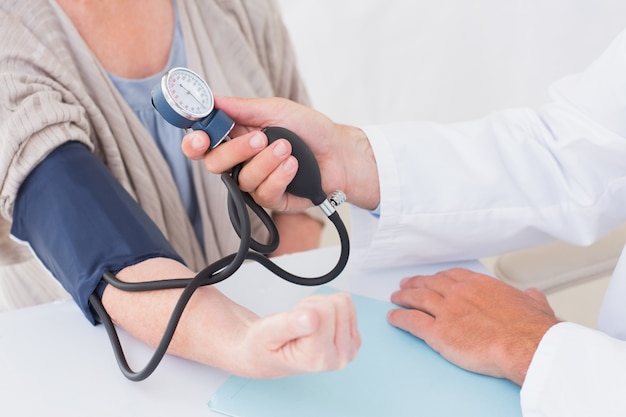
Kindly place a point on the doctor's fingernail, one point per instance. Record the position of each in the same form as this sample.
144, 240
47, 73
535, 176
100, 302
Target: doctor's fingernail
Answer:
289, 164
257, 141
280, 149
198, 142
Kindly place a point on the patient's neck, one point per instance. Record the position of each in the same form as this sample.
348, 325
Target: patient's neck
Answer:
129, 39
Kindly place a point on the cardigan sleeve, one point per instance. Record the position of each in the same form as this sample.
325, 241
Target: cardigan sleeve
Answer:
38, 110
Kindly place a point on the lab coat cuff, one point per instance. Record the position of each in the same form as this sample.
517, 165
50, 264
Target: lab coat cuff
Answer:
382, 226
542, 364
576, 371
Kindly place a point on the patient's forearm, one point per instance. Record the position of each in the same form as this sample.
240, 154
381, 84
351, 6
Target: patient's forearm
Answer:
318, 334
209, 326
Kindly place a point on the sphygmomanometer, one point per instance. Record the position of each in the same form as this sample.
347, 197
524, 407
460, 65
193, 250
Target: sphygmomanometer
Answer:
115, 232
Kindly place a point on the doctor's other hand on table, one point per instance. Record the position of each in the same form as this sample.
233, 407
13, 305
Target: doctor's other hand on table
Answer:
428, 192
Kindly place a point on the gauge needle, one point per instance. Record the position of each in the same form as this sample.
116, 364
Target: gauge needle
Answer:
192, 94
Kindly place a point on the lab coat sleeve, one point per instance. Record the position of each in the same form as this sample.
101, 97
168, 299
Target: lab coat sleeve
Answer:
576, 372
513, 179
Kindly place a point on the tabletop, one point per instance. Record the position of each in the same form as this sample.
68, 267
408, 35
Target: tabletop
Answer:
53, 362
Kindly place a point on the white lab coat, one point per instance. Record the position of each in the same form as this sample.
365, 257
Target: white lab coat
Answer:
513, 179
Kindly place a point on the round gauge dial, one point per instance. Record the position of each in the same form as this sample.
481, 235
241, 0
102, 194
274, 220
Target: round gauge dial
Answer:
187, 93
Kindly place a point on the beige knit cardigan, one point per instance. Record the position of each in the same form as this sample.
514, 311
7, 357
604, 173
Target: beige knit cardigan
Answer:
52, 89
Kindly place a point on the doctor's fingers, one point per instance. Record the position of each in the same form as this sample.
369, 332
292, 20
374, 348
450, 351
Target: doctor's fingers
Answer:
274, 162
227, 154
421, 299
416, 322
447, 281
438, 282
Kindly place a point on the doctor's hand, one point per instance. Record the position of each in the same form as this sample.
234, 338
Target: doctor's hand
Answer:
343, 153
475, 321
319, 334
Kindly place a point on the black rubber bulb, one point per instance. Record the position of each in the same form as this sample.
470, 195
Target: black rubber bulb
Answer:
308, 181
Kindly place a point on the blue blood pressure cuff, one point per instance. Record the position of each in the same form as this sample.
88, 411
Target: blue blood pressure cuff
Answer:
81, 222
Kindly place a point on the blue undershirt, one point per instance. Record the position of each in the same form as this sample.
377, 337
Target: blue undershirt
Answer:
136, 92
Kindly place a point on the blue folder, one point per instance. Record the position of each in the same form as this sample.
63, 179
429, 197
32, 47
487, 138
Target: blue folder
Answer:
395, 374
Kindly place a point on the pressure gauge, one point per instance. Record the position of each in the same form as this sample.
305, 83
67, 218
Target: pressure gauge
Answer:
187, 93
185, 100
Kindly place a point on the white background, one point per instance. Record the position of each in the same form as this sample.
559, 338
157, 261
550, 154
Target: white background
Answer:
371, 61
